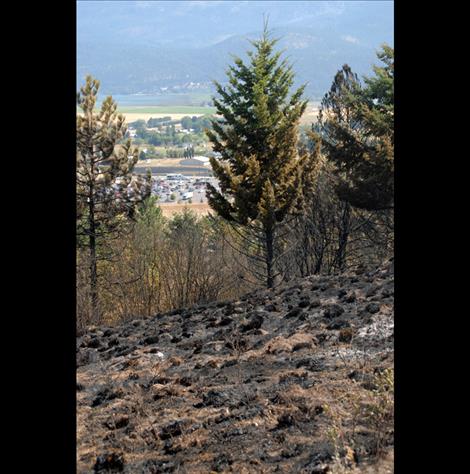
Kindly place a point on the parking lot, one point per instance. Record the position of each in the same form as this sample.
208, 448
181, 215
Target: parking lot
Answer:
176, 187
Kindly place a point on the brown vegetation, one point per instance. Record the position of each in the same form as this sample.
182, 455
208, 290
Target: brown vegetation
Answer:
259, 384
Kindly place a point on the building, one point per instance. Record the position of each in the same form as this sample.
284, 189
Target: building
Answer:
196, 161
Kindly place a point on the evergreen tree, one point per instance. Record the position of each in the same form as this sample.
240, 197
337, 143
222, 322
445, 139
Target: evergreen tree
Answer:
358, 137
261, 174
107, 192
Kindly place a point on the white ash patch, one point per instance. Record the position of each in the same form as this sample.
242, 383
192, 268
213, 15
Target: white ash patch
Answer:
381, 328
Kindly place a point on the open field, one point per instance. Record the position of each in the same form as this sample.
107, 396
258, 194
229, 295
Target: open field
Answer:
169, 209
310, 114
177, 112
166, 109
159, 162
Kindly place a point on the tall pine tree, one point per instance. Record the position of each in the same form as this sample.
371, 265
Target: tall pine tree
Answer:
262, 175
357, 127
107, 191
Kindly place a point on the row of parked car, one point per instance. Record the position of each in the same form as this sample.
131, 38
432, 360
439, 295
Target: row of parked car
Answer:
181, 187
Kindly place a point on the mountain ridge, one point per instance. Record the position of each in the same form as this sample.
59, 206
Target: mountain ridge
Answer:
134, 49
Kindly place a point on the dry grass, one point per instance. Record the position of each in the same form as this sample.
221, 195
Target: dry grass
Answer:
252, 402
160, 162
200, 209
310, 115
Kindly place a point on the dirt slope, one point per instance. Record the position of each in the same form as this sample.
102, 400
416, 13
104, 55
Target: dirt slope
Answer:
289, 380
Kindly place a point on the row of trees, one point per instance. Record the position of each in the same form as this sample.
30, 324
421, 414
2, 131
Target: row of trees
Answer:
162, 264
285, 207
271, 183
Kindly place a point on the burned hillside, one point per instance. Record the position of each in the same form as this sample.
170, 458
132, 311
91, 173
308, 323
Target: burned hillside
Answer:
294, 379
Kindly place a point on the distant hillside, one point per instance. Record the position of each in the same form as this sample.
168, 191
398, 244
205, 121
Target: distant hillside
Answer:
145, 46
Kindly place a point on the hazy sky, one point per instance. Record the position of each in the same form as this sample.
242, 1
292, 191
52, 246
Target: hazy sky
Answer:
199, 23
143, 45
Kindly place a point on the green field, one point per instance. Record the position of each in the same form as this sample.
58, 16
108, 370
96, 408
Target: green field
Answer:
167, 109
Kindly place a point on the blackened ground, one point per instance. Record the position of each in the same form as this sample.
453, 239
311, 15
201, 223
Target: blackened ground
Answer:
255, 385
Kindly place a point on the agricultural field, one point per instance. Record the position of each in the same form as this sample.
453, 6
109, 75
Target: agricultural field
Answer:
168, 209
176, 112
311, 113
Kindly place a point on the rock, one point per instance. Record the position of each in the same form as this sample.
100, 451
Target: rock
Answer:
117, 423
113, 462
294, 313
367, 380
105, 395
197, 347
113, 342
185, 381
165, 338
342, 292
304, 303
301, 345
173, 429
255, 323
345, 335
339, 324
285, 420
333, 311
373, 308
171, 448
350, 297
158, 466
215, 399
150, 340
94, 343
225, 321
221, 462
313, 364
229, 363
315, 303
123, 351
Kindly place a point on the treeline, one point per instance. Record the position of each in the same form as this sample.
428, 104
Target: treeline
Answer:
167, 134
161, 264
286, 207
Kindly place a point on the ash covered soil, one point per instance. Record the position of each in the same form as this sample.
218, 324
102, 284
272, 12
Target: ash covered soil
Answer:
247, 386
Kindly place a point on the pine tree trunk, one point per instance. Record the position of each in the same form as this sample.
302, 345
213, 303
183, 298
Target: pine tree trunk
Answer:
269, 234
343, 237
93, 265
